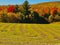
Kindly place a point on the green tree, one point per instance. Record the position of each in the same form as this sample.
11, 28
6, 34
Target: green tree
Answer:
25, 8
16, 9
25, 12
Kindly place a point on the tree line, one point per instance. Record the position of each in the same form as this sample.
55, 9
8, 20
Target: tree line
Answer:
25, 15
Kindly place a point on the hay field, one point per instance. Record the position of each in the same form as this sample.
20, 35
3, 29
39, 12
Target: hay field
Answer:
29, 34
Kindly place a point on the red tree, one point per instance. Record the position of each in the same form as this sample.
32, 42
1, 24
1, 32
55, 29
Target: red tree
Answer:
53, 10
11, 8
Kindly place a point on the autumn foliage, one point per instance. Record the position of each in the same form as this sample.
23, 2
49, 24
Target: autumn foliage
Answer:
40, 12
11, 8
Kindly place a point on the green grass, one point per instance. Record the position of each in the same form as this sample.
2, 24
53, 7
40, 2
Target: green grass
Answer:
29, 34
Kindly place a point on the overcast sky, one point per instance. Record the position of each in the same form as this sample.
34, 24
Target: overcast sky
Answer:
9, 2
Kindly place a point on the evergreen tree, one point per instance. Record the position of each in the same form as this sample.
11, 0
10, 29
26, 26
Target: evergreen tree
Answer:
25, 8
25, 12
16, 9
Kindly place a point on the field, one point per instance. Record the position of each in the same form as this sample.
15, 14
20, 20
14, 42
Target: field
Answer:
29, 34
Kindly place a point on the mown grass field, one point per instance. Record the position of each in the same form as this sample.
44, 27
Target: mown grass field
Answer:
29, 34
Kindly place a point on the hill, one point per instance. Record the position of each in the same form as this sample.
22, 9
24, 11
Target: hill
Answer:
45, 6
39, 7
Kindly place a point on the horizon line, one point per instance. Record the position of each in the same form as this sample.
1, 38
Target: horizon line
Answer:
29, 3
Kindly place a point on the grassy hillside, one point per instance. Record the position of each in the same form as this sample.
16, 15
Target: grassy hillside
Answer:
39, 7
29, 34
44, 6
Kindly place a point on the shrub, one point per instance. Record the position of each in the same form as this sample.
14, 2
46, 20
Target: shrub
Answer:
51, 18
57, 18
4, 18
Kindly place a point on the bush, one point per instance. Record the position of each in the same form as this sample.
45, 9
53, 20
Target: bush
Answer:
4, 18
57, 18
38, 19
51, 18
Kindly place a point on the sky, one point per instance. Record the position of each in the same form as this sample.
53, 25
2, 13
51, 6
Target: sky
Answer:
10, 2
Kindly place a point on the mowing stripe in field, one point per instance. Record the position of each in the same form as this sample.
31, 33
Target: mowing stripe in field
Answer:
3, 25
22, 28
11, 27
6, 26
17, 29
31, 32
36, 30
51, 30
55, 27
55, 35
45, 34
